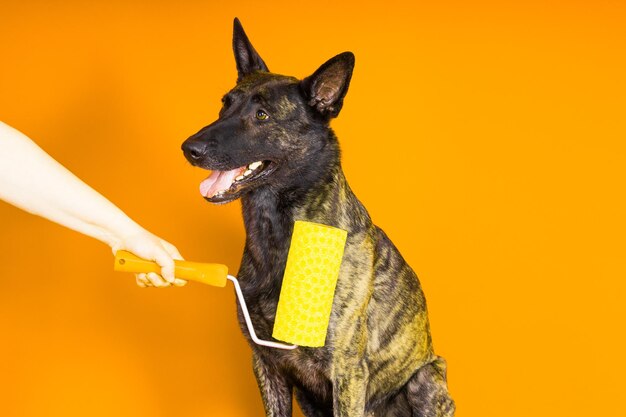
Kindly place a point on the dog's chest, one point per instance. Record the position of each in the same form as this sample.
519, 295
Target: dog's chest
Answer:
308, 369
261, 280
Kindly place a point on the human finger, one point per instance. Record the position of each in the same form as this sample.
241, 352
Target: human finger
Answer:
157, 280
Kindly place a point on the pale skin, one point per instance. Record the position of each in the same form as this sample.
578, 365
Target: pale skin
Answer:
33, 181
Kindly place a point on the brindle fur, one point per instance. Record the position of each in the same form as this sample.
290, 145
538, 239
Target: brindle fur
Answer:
378, 359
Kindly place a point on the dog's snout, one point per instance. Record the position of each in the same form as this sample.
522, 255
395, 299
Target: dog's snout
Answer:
194, 150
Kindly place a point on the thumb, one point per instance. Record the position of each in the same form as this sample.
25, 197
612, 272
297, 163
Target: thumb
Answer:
171, 249
165, 261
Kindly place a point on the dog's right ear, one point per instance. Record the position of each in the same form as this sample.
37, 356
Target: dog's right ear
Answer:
327, 87
247, 58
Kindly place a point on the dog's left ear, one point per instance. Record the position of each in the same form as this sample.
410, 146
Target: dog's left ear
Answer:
247, 58
327, 87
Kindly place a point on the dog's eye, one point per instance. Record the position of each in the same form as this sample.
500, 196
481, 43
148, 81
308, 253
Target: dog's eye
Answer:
261, 115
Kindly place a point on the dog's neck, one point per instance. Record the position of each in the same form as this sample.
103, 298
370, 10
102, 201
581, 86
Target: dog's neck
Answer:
269, 216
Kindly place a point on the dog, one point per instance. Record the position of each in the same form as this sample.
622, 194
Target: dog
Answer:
272, 146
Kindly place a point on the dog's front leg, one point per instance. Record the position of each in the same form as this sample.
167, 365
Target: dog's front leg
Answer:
350, 389
348, 339
275, 390
349, 368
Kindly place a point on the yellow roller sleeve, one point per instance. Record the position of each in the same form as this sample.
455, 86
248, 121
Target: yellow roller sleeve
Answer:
211, 274
309, 282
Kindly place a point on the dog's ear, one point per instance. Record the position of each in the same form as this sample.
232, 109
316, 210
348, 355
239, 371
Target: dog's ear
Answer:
247, 58
327, 87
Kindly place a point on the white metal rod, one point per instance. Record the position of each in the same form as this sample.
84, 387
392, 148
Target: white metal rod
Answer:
246, 315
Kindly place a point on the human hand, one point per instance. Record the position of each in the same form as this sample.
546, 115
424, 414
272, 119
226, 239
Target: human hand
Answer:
148, 246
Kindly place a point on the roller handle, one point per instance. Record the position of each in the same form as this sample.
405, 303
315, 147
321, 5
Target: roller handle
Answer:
211, 274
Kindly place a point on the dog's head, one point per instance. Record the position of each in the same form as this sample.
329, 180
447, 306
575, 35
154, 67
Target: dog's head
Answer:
272, 129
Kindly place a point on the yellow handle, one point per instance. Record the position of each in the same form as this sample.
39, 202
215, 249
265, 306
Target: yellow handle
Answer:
211, 274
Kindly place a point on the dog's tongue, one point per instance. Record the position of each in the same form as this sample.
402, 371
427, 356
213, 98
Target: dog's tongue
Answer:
219, 181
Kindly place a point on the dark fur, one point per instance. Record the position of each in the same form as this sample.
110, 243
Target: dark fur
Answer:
378, 359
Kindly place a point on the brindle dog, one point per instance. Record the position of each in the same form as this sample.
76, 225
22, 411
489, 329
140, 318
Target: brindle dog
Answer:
273, 148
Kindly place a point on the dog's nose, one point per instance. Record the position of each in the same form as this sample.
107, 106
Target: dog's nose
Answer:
194, 151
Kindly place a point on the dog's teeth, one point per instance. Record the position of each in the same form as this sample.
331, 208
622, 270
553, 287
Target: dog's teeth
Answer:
255, 165
239, 178
248, 172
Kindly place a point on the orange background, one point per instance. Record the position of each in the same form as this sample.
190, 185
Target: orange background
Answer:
486, 138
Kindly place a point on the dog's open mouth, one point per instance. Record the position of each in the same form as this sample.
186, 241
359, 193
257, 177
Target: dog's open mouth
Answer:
226, 186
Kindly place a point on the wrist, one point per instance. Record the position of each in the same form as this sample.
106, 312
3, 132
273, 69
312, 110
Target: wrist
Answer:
119, 234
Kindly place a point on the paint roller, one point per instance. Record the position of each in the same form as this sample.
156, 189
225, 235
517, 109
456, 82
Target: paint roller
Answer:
307, 292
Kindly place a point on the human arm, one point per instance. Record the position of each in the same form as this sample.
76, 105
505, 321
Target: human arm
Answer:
33, 181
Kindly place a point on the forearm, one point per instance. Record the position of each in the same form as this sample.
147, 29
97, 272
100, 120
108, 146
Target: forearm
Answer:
35, 182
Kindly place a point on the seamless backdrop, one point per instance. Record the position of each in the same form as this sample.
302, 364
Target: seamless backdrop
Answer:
486, 138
